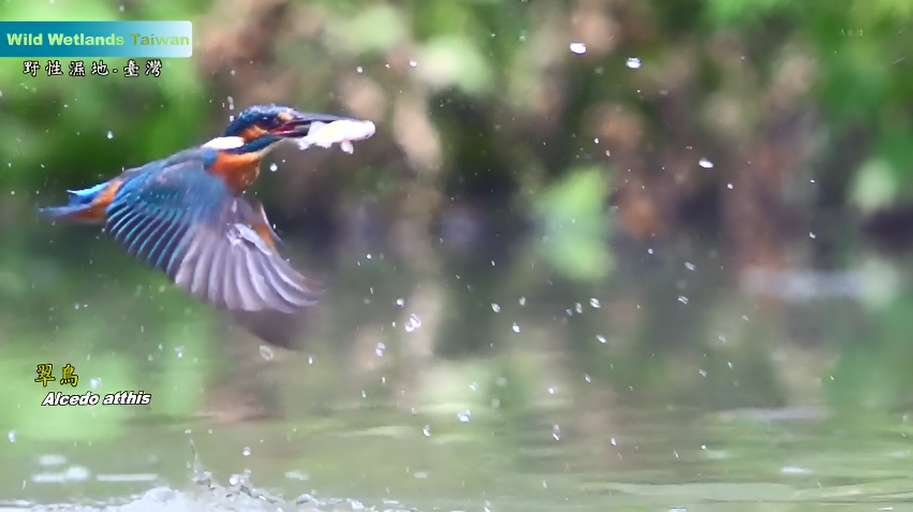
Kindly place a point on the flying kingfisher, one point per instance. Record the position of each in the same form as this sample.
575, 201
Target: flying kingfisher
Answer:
187, 216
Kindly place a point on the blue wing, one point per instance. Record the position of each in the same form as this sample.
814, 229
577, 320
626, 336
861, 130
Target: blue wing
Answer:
184, 221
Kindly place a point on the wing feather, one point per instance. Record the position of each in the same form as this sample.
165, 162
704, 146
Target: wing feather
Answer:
180, 219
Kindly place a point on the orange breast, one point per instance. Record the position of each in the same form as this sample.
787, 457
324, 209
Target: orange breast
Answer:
239, 171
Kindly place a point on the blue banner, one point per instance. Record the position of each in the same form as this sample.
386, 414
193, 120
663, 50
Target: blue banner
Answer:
30, 39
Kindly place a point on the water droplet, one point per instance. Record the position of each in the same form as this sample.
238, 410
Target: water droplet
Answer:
706, 164
231, 103
516, 328
266, 353
702, 372
522, 301
94, 382
273, 167
690, 266
600, 338
180, 351
464, 416
426, 430
400, 302
613, 441
11, 435
496, 308
683, 299
246, 451
594, 303
811, 235
121, 8
413, 323
413, 64
578, 48
360, 69
110, 134
633, 63
380, 349
729, 186
310, 359
556, 432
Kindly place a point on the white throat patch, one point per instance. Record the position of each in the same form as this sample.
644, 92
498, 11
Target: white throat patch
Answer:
224, 143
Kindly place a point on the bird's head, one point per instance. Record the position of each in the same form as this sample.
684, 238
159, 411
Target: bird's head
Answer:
260, 127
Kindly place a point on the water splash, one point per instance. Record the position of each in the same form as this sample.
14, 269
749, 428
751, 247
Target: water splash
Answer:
413, 323
578, 48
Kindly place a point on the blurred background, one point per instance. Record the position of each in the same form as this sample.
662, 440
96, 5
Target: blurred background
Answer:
600, 254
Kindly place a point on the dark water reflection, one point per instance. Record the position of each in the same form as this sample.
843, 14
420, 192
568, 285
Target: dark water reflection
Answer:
467, 380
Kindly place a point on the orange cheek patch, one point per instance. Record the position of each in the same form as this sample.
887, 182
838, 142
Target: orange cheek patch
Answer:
251, 133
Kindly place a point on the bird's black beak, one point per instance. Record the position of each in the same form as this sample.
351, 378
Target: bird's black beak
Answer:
298, 124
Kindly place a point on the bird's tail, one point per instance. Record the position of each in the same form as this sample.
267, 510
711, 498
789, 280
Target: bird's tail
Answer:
84, 206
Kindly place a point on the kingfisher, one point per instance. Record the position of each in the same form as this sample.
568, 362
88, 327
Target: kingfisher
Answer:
187, 215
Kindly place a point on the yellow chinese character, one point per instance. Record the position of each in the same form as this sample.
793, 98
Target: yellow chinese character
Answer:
44, 373
68, 376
